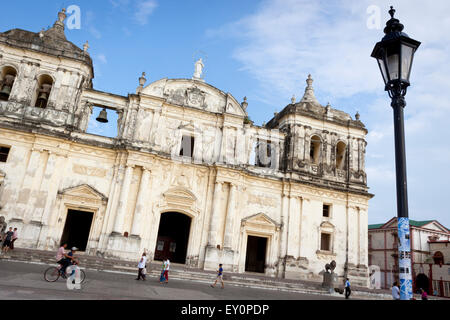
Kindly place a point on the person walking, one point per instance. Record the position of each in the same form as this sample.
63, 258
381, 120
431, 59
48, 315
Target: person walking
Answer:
166, 270
162, 279
219, 277
141, 267
395, 291
348, 290
7, 240
3, 226
14, 238
424, 294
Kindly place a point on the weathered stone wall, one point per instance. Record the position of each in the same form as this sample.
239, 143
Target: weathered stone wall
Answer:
129, 181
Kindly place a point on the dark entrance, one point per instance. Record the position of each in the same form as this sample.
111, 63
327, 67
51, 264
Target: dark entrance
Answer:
77, 229
422, 282
173, 237
256, 254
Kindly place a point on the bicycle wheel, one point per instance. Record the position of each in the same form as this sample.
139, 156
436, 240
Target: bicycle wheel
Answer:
51, 274
82, 276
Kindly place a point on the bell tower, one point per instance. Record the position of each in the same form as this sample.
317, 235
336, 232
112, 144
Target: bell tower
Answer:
322, 144
42, 76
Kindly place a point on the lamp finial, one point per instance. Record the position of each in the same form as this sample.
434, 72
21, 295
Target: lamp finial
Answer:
392, 12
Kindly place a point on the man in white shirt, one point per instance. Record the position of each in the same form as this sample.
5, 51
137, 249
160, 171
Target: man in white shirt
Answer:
395, 291
166, 270
141, 266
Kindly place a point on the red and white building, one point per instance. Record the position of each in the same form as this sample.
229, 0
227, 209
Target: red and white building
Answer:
430, 255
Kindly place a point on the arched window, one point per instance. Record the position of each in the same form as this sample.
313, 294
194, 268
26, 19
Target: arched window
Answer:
7, 78
438, 258
45, 83
314, 149
340, 155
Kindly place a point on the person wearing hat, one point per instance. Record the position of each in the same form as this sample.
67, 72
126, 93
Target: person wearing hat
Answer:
69, 259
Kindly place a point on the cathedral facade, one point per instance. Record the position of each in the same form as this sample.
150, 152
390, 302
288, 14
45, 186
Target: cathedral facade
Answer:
189, 177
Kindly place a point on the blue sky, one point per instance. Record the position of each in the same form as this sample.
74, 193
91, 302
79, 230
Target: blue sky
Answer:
264, 50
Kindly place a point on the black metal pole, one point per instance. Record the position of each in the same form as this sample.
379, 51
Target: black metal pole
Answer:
398, 104
404, 248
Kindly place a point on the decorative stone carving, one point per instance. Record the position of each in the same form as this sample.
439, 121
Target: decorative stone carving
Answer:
196, 98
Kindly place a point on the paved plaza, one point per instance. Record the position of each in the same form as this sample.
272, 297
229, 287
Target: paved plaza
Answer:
26, 281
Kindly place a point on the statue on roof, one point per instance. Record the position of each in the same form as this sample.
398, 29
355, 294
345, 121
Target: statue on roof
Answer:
198, 69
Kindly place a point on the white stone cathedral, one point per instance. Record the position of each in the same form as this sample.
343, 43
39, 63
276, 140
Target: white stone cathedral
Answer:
188, 177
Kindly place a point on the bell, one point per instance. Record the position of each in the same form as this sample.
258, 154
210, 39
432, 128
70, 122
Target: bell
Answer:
6, 90
103, 117
43, 96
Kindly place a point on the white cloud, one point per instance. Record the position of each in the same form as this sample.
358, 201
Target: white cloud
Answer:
102, 58
144, 9
285, 40
119, 3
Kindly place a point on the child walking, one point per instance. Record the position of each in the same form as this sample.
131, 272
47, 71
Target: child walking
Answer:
219, 277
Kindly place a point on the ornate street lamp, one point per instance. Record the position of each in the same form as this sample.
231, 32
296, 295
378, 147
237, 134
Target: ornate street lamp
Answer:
395, 55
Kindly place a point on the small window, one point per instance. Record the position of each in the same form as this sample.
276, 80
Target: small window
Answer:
264, 153
4, 152
187, 146
325, 242
326, 210
438, 258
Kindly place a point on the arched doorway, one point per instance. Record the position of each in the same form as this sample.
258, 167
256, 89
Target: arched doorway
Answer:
422, 282
173, 237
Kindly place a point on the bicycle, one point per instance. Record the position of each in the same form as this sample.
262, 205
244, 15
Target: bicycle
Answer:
52, 274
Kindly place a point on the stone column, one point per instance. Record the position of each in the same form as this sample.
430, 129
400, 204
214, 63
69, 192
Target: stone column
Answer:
155, 126
301, 225
140, 203
283, 236
119, 122
27, 185
60, 164
212, 237
85, 116
284, 228
122, 207
294, 223
45, 188
228, 243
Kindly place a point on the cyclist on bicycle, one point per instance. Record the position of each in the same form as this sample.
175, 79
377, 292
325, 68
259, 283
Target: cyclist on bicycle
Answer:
69, 259
61, 253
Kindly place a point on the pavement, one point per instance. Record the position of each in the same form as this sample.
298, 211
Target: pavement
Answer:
25, 281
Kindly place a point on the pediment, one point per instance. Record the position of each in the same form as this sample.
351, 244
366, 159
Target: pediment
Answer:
194, 94
260, 219
434, 225
84, 191
326, 225
390, 224
180, 194
190, 126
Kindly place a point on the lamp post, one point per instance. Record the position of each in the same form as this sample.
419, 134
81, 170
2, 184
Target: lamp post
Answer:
395, 53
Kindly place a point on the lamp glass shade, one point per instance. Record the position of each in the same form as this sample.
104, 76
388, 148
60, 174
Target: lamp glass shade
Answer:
407, 58
383, 70
392, 60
